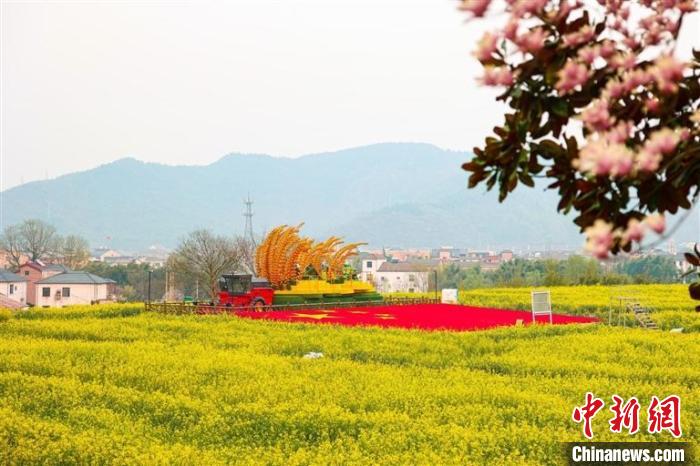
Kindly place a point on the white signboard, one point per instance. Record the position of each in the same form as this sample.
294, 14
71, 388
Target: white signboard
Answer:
449, 296
541, 305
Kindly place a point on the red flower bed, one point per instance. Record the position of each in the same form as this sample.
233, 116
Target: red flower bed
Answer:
421, 316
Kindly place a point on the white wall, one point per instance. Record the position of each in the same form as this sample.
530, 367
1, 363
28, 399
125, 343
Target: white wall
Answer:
19, 293
79, 294
405, 282
369, 274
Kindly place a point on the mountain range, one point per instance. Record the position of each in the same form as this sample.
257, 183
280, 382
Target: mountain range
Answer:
393, 194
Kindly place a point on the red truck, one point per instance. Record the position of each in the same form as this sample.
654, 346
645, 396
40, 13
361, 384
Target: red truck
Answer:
245, 291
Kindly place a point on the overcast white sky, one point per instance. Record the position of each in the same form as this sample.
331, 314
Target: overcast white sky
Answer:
85, 83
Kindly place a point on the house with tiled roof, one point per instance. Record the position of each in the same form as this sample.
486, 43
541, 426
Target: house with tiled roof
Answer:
405, 277
73, 287
13, 290
370, 263
37, 270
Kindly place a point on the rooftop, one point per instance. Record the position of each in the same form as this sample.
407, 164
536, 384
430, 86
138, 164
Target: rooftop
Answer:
6, 277
403, 267
75, 278
39, 265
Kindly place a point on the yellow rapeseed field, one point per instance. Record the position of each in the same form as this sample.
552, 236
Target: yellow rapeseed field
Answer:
114, 385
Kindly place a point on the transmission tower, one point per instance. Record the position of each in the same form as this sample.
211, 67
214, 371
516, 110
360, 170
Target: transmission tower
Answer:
248, 214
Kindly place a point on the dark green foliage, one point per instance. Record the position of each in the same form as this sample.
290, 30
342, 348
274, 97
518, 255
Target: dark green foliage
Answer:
575, 270
132, 279
652, 269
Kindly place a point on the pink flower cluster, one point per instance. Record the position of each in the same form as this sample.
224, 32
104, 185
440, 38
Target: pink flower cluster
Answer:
602, 236
572, 76
603, 157
607, 155
497, 76
486, 47
667, 71
597, 116
660, 143
583, 35
475, 7
533, 41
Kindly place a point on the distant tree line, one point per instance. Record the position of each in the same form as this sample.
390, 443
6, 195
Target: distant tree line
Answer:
37, 240
576, 270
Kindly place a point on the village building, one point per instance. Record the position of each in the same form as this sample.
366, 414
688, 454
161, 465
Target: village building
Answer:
73, 287
103, 254
370, 265
406, 277
34, 271
13, 290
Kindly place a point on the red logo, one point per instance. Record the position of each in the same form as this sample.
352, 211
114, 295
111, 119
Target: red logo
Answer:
665, 415
587, 412
626, 415
662, 415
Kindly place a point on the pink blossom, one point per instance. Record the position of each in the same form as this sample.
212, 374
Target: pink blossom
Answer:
663, 141
510, 31
497, 76
476, 7
631, 80
652, 105
601, 158
657, 222
660, 143
687, 6
613, 90
486, 47
565, 8
631, 42
572, 75
607, 49
599, 238
532, 41
597, 117
589, 54
667, 71
523, 7
583, 35
647, 161
620, 133
627, 61
634, 231
695, 117
625, 12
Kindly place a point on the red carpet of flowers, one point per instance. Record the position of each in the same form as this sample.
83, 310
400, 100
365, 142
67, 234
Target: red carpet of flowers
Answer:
420, 316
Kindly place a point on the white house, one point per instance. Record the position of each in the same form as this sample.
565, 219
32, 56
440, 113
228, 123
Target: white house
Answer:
13, 290
370, 265
404, 277
74, 287
102, 254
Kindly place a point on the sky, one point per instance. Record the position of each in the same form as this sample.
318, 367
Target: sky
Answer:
84, 83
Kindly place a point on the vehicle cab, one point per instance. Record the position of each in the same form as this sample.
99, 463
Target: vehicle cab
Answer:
238, 290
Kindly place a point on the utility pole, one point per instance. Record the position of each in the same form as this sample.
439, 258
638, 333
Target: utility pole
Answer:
435, 272
248, 214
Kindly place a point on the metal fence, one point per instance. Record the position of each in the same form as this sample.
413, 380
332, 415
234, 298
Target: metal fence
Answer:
179, 308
